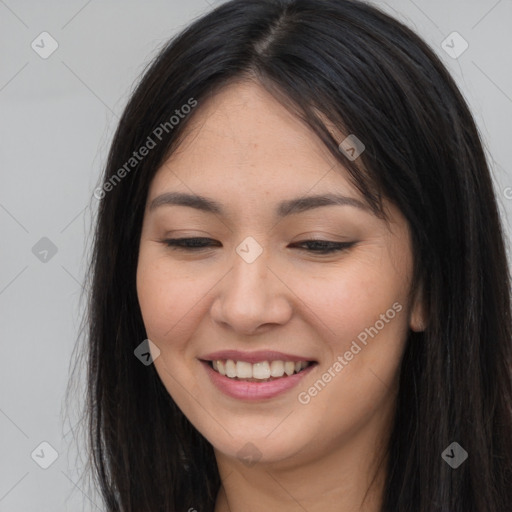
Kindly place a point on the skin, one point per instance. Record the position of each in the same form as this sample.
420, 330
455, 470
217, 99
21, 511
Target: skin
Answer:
246, 151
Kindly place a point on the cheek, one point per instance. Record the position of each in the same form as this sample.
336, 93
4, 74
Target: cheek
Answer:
158, 290
154, 297
367, 330
364, 349
347, 301
171, 300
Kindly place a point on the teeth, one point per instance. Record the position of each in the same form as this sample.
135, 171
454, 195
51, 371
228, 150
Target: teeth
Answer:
289, 367
243, 370
263, 370
277, 368
230, 368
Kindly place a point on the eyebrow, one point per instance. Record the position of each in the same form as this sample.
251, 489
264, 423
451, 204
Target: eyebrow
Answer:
285, 208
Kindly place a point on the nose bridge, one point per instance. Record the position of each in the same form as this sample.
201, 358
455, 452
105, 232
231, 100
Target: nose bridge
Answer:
250, 270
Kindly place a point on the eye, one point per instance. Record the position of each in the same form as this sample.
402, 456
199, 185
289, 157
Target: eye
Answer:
188, 244
314, 246
325, 246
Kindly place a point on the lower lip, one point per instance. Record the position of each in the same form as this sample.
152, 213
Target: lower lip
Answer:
244, 390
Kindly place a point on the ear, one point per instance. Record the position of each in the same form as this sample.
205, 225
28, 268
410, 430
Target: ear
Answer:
418, 315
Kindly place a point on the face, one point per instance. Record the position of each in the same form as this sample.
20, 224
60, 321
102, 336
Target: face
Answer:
251, 296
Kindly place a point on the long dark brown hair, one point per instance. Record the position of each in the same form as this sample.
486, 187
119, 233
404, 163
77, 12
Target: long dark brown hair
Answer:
348, 62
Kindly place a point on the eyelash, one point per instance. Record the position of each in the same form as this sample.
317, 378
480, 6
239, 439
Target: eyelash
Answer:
177, 243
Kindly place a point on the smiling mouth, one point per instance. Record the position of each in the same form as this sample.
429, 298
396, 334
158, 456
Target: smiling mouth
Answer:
263, 371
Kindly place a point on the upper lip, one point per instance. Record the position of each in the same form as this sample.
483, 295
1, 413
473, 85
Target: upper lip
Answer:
252, 357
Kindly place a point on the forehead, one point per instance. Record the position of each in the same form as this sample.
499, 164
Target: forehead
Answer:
243, 139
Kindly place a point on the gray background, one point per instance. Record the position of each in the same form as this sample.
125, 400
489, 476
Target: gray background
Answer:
57, 117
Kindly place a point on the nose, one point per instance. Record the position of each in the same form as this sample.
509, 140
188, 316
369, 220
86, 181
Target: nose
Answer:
252, 297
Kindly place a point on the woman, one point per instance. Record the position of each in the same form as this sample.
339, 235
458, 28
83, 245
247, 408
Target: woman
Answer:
300, 293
